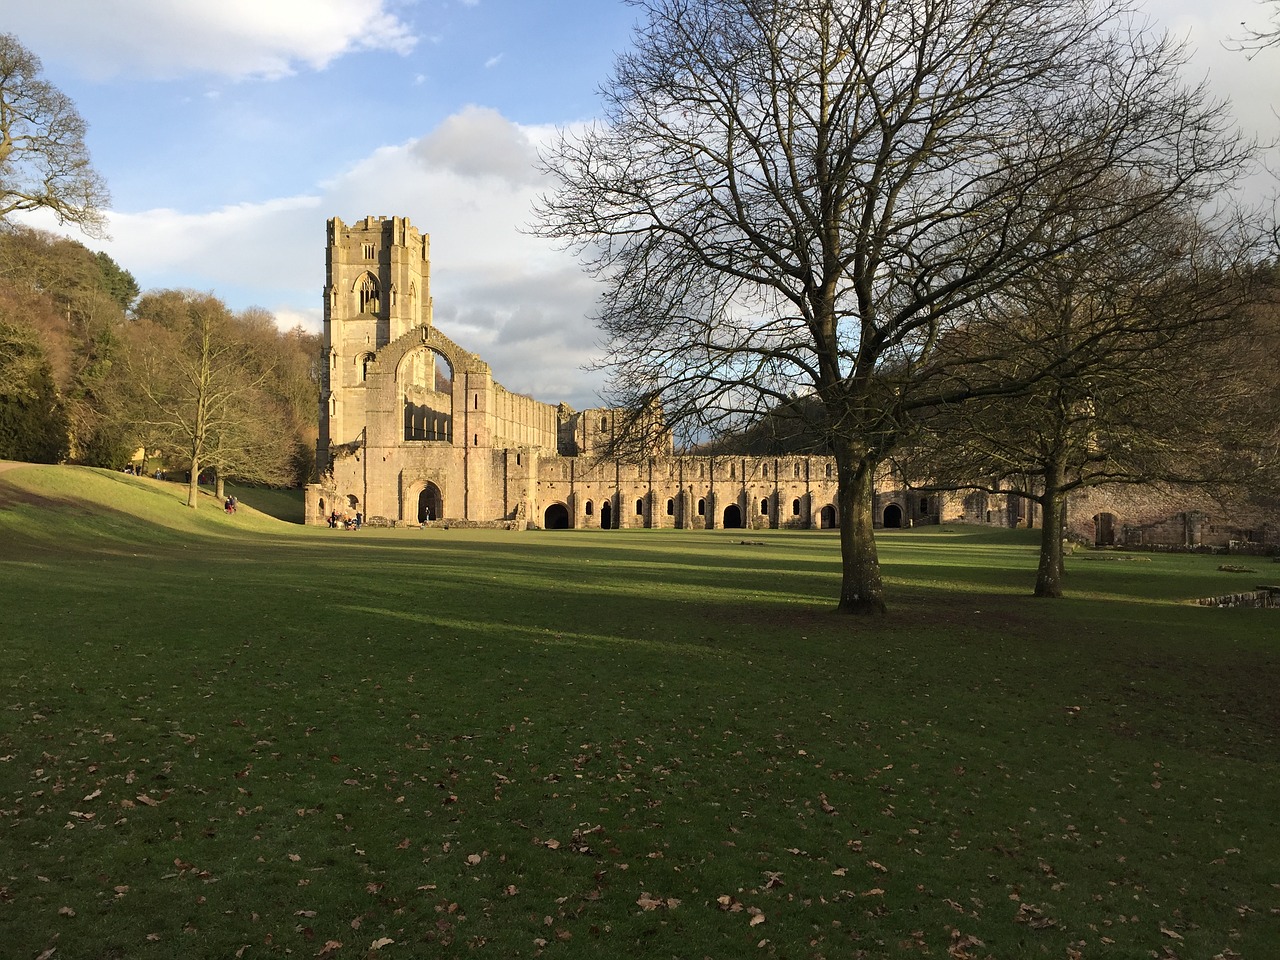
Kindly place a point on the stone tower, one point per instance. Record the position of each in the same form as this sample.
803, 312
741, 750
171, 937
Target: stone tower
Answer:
377, 288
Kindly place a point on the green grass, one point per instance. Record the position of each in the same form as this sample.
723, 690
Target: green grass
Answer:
224, 732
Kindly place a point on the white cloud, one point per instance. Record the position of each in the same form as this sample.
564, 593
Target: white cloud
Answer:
479, 142
231, 38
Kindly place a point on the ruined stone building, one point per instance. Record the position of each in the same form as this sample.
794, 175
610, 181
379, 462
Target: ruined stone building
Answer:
415, 430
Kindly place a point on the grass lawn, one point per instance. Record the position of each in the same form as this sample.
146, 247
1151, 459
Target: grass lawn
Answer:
236, 737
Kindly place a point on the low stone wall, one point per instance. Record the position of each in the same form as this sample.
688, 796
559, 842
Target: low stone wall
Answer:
1263, 597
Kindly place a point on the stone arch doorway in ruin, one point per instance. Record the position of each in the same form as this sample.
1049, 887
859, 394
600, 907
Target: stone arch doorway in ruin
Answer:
1104, 530
732, 517
556, 517
606, 515
430, 504
827, 517
892, 516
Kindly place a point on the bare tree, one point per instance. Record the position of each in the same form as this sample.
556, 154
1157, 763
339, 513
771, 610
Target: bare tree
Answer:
1253, 38
196, 396
1135, 340
43, 160
805, 197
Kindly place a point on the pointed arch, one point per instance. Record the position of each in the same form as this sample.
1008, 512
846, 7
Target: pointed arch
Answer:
368, 292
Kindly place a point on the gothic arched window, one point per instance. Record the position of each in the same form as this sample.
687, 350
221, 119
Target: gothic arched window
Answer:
369, 296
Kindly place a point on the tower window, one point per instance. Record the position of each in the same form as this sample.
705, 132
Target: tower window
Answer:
368, 294
367, 250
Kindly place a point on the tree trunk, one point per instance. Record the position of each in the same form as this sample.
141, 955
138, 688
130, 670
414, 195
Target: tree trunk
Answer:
220, 490
193, 485
861, 591
1054, 510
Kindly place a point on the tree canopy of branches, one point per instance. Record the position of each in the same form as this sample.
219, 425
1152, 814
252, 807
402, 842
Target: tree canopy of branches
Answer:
1134, 338
1257, 38
807, 196
44, 163
198, 392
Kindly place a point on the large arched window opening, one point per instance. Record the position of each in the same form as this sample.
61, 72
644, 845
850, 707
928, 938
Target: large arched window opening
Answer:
732, 517
556, 517
606, 516
367, 290
426, 390
430, 504
827, 517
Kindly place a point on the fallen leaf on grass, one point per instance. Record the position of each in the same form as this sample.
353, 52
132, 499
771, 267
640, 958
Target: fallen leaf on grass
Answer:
647, 902
1033, 916
380, 943
148, 801
1173, 934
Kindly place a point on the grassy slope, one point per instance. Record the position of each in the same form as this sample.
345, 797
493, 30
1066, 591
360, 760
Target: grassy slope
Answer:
221, 731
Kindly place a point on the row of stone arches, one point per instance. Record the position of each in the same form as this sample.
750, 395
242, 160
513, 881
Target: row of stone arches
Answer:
556, 516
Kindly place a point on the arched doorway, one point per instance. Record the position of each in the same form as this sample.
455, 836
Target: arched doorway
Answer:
893, 516
430, 504
556, 517
827, 517
732, 517
606, 515
1104, 530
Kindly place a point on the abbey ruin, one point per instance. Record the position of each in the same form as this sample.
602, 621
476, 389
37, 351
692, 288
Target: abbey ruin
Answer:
414, 430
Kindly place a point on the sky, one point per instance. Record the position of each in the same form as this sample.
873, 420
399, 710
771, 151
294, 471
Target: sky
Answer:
228, 132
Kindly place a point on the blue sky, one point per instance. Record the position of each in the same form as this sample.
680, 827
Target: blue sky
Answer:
229, 131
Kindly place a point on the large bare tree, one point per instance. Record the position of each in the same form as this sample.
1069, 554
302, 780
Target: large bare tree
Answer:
1135, 341
805, 197
44, 163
